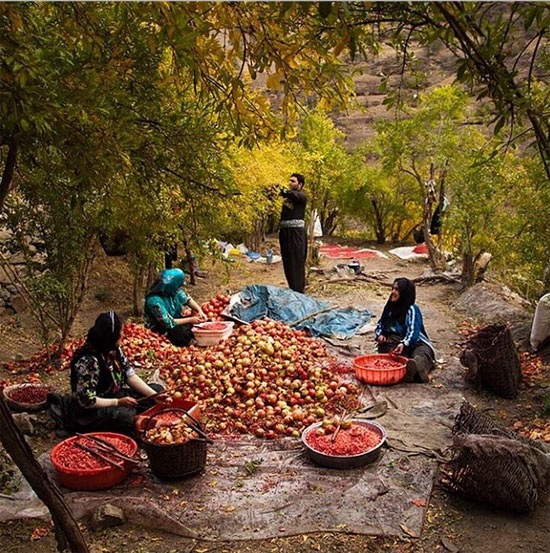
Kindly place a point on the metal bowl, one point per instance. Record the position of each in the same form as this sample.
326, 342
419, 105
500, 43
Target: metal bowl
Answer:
348, 461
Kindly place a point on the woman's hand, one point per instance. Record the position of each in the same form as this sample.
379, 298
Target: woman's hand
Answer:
381, 339
126, 401
195, 320
398, 349
202, 315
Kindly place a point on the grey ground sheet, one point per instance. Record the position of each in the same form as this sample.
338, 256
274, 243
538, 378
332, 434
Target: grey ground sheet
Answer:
287, 494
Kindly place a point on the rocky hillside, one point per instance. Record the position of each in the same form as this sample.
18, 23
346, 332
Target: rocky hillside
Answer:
436, 66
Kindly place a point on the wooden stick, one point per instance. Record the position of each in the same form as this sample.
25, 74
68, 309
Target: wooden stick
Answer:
197, 428
193, 427
333, 439
311, 315
104, 444
97, 454
158, 394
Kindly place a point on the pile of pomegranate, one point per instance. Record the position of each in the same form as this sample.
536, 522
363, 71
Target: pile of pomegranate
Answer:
143, 348
213, 308
266, 379
168, 434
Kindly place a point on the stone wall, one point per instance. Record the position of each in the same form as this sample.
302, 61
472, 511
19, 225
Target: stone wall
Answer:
11, 300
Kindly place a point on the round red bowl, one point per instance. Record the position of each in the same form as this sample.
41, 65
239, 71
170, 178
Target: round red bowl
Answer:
366, 371
92, 479
346, 461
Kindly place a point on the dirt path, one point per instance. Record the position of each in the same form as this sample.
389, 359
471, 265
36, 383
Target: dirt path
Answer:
451, 524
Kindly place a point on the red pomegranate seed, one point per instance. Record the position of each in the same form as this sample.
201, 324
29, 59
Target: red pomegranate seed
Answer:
352, 441
29, 394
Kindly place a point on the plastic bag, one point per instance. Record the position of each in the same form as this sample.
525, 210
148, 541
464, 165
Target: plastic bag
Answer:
540, 330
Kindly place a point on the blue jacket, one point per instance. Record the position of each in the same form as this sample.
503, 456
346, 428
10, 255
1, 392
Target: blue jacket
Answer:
411, 333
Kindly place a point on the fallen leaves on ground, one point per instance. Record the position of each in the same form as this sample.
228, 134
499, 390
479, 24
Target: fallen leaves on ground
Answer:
535, 429
535, 371
408, 531
40, 532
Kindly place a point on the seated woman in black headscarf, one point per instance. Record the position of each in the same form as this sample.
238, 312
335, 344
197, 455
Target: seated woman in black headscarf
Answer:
104, 386
400, 330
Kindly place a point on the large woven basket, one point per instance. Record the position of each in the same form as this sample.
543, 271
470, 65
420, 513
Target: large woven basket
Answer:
170, 461
498, 471
493, 361
471, 421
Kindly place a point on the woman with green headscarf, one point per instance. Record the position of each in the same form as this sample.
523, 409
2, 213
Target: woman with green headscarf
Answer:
164, 305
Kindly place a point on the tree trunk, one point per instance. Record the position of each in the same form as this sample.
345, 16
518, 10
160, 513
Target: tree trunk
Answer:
7, 175
190, 262
137, 293
151, 274
67, 532
435, 256
379, 228
468, 270
330, 223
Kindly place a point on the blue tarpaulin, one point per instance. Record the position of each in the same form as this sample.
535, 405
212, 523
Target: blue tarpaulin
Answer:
280, 304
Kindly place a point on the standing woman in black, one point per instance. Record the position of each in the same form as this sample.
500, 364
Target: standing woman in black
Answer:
292, 233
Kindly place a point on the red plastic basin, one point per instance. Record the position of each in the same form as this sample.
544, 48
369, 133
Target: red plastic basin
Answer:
92, 479
371, 370
191, 406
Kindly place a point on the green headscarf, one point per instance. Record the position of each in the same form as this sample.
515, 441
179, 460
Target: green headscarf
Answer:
168, 283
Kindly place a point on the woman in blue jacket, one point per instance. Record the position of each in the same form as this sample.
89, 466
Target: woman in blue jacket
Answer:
400, 330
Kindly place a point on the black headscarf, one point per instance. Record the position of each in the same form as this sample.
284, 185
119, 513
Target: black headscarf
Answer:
397, 310
101, 339
104, 335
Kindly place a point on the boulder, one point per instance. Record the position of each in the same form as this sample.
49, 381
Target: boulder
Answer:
18, 258
107, 516
24, 423
18, 303
4, 278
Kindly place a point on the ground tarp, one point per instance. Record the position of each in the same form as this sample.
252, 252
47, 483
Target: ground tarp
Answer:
257, 301
334, 251
285, 495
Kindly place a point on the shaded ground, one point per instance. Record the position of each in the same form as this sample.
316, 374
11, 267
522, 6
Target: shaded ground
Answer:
450, 523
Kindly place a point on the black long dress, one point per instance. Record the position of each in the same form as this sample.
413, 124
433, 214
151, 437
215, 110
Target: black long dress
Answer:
293, 239
93, 375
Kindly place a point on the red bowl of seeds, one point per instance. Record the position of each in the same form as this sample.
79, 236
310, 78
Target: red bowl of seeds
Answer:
354, 447
26, 397
382, 369
78, 469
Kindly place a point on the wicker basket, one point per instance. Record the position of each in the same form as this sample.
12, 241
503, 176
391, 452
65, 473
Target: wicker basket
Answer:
170, 461
493, 361
498, 471
471, 421
19, 406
